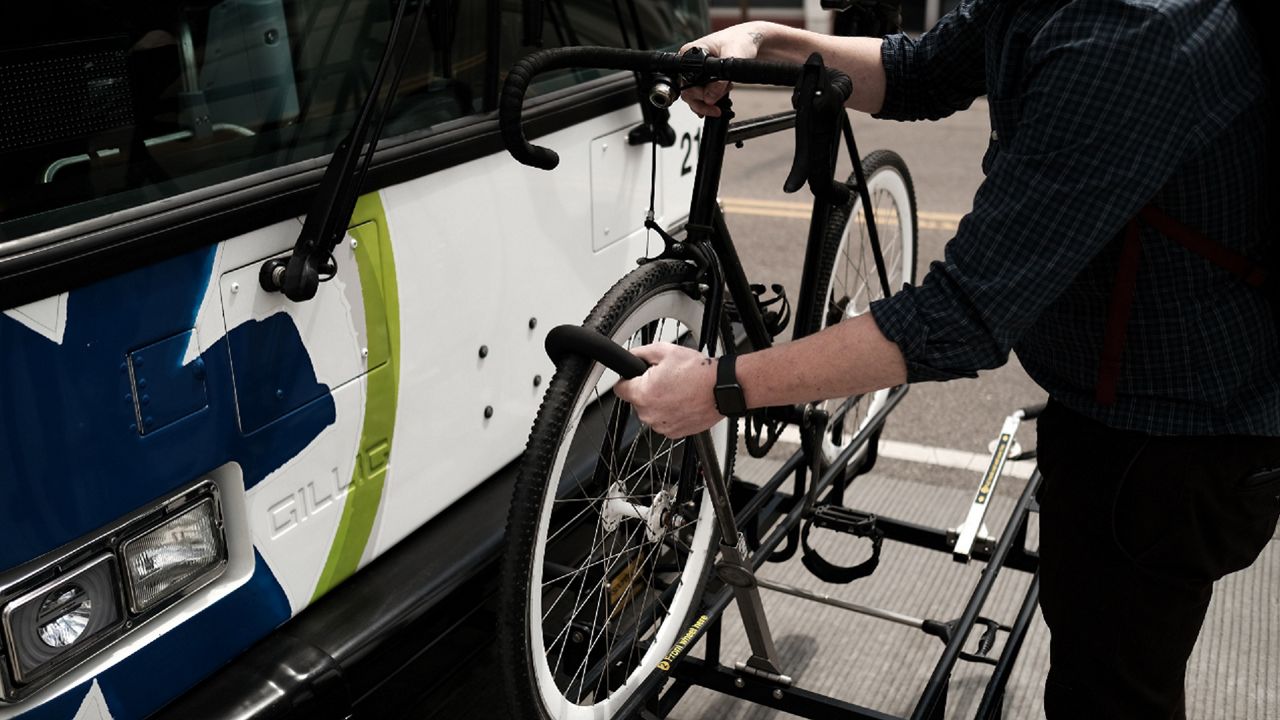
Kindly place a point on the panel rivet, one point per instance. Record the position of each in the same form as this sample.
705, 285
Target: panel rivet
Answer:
739, 683
235, 287
777, 694
364, 352
354, 243
484, 351
488, 411
537, 380
533, 323
279, 394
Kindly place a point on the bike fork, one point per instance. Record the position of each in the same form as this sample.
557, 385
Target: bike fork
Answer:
735, 572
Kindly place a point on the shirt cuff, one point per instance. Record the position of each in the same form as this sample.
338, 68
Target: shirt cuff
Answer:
902, 324
893, 54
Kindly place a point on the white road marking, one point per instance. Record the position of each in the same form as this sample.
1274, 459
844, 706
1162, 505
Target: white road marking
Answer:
942, 457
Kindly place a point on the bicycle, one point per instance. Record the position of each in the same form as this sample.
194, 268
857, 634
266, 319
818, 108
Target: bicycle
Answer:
613, 529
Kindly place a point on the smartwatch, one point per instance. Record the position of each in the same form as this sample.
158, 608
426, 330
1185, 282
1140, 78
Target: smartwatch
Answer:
730, 400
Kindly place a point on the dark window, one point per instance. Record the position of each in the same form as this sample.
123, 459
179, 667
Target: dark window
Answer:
664, 25
106, 105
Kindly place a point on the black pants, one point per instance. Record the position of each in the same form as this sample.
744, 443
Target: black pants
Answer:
1134, 531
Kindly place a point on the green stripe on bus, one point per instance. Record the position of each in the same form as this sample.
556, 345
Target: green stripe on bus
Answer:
382, 320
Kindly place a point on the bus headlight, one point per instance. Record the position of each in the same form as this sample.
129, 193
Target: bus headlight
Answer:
173, 556
61, 616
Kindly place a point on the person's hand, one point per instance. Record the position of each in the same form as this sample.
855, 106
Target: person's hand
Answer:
739, 41
675, 396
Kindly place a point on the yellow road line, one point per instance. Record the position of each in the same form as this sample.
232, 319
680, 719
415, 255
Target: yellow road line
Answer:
800, 211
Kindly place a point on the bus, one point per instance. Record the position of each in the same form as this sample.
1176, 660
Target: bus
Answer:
217, 501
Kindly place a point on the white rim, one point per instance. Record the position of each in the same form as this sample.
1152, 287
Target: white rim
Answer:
678, 306
888, 193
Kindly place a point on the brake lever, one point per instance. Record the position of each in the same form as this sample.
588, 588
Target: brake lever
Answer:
817, 132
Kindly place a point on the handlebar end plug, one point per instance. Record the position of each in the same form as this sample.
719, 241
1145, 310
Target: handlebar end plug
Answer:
662, 95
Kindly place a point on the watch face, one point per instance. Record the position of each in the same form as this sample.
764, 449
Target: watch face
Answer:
730, 400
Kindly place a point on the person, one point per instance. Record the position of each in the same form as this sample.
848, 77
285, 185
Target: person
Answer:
1115, 124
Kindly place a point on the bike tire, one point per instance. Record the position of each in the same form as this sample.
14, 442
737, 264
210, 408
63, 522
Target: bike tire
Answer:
850, 281
635, 585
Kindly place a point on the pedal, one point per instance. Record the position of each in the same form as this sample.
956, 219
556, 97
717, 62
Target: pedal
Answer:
851, 522
945, 631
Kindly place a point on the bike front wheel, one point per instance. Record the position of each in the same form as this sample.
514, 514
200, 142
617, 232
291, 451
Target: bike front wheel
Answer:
852, 281
610, 534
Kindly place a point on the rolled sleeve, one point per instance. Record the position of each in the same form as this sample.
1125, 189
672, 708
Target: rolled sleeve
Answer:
912, 322
1107, 116
938, 74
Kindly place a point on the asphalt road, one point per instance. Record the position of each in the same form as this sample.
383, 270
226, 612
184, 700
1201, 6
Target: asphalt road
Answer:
944, 159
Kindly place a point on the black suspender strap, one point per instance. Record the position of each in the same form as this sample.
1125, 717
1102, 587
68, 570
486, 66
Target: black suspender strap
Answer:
1224, 257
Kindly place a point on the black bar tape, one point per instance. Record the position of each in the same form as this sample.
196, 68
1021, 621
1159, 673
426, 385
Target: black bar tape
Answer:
517, 84
511, 101
566, 340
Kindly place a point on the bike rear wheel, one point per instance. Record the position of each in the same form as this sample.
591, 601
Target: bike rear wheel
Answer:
852, 282
610, 534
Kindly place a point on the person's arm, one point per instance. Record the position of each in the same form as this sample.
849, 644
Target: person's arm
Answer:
1109, 110
850, 358
858, 57
895, 77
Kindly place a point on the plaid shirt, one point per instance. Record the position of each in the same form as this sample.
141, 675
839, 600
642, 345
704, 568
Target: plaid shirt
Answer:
1098, 107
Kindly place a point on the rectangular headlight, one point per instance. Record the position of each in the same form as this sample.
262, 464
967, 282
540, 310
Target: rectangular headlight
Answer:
61, 618
174, 556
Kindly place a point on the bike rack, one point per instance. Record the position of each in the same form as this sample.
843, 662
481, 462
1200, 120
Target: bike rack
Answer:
654, 701
781, 514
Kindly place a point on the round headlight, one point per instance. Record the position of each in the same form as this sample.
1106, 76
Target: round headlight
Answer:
63, 617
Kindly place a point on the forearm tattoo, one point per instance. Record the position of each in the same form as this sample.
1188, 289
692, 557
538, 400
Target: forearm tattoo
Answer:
756, 37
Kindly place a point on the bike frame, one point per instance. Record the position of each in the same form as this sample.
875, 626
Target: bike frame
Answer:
707, 225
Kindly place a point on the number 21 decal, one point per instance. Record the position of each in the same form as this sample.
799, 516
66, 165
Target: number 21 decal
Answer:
688, 143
